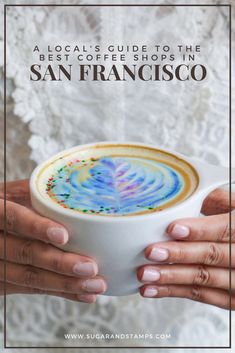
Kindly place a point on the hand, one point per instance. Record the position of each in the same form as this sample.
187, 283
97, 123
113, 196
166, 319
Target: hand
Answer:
195, 265
33, 264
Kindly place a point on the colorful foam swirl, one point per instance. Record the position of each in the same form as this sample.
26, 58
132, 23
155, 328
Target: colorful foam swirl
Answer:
115, 185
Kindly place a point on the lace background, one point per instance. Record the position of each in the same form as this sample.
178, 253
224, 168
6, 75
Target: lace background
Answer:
43, 119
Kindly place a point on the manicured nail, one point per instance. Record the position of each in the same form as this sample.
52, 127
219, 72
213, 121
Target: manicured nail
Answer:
87, 298
57, 235
158, 254
94, 285
180, 231
150, 292
85, 269
150, 275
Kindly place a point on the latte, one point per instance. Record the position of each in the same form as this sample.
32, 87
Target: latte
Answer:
117, 180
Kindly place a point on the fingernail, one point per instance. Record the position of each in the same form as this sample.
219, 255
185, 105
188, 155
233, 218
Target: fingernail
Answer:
150, 292
86, 298
94, 285
85, 269
57, 235
158, 254
180, 231
150, 275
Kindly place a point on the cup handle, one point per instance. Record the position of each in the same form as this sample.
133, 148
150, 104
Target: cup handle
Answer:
211, 176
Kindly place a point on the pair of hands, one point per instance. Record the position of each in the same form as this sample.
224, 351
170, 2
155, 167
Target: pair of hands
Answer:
198, 253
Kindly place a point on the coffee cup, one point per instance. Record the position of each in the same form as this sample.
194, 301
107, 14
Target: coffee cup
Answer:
115, 199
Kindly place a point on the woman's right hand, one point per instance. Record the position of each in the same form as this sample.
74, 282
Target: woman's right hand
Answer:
33, 264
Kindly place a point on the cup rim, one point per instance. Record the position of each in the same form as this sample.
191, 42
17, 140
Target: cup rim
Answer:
119, 218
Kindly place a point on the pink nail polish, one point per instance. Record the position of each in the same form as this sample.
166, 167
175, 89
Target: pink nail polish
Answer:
180, 231
150, 292
85, 269
87, 298
94, 285
158, 254
57, 235
150, 275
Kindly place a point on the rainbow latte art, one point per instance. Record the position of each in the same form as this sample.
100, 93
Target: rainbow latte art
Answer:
118, 181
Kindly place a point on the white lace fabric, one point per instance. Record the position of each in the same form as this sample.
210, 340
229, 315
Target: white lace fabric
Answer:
46, 117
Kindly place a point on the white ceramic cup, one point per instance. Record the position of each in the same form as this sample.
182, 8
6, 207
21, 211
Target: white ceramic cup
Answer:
117, 243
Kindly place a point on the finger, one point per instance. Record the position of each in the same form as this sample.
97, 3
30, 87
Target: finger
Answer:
213, 254
17, 191
218, 202
210, 228
14, 289
28, 276
23, 221
188, 275
218, 297
39, 254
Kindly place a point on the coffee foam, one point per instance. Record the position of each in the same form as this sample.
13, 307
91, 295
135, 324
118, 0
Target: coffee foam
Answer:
132, 180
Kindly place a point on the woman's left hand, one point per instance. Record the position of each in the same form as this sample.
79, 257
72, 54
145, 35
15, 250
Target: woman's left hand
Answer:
195, 265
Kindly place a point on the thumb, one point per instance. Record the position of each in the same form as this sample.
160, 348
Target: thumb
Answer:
217, 202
